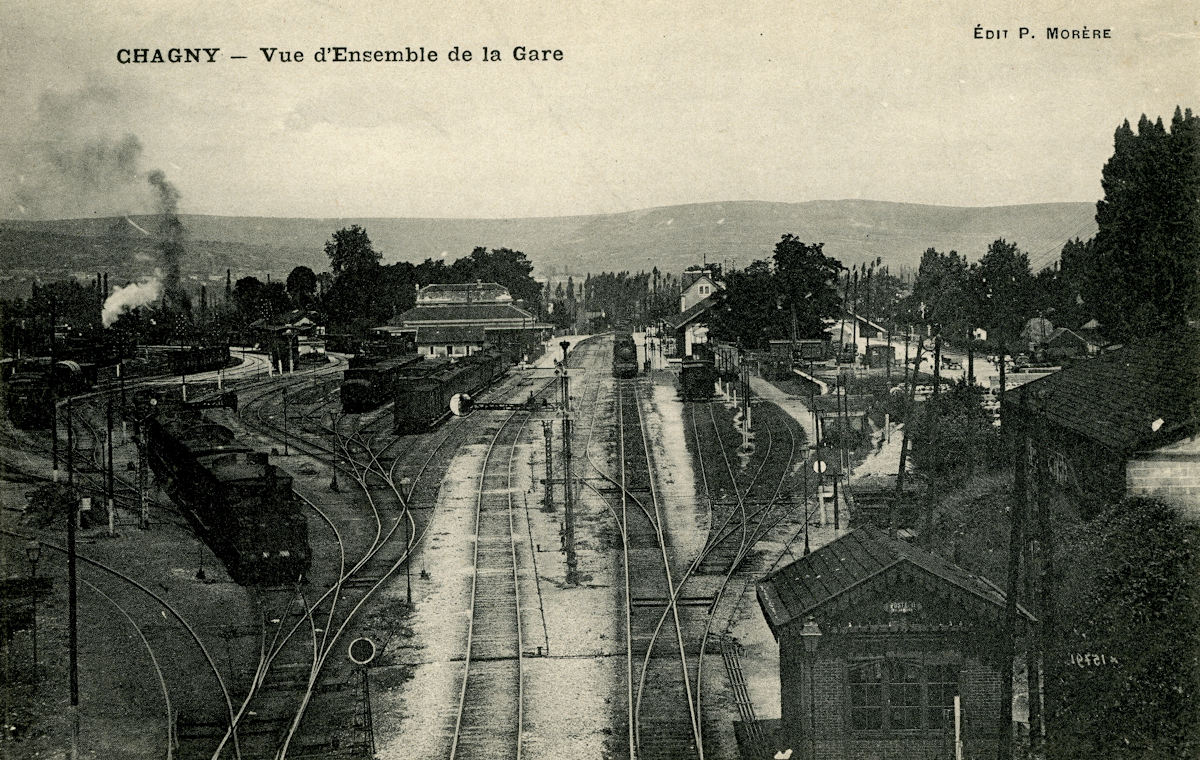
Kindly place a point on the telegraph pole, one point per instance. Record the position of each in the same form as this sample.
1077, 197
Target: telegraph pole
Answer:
53, 387
568, 496
108, 481
937, 362
286, 451
548, 494
72, 591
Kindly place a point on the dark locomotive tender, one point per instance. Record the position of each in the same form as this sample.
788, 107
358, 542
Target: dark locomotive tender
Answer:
370, 381
698, 376
422, 400
240, 504
31, 387
624, 363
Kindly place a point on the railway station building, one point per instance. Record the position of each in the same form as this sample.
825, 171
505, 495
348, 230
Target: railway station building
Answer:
458, 319
878, 643
1124, 423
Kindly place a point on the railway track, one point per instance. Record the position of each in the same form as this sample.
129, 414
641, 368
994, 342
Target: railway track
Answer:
661, 719
490, 713
357, 450
669, 720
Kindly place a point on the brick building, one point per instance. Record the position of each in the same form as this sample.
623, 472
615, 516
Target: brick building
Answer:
876, 639
1120, 424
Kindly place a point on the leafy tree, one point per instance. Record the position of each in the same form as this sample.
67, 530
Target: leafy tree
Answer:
255, 300
1131, 592
358, 300
1005, 288
806, 281
953, 436
350, 250
302, 287
749, 312
943, 293
1145, 261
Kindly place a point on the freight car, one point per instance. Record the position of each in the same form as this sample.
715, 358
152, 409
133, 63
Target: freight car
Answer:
31, 387
698, 376
371, 381
240, 504
195, 359
624, 362
423, 400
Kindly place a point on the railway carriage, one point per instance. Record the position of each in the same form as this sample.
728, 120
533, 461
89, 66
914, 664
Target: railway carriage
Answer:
196, 359
371, 381
422, 401
240, 503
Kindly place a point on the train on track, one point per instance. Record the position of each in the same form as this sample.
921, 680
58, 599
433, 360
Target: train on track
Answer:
422, 399
195, 359
30, 389
240, 503
370, 380
624, 359
698, 375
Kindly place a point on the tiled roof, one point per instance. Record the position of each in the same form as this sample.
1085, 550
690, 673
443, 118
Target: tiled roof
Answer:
475, 313
796, 590
450, 335
1117, 398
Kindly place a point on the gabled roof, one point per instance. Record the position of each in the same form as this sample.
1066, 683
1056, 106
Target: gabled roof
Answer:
797, 590
1117, 398
1066, 333
691, 276
697, 310
865, 321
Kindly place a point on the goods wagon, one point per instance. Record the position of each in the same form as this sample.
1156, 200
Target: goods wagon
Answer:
371, 381
624, 362
423, 400
239, 503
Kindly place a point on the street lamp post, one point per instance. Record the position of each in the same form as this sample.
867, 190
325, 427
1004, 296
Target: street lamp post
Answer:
33, 552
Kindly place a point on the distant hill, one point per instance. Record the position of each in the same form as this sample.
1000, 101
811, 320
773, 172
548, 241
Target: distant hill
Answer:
670, 237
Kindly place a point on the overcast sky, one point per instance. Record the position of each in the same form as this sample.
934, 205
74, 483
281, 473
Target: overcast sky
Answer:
654, 103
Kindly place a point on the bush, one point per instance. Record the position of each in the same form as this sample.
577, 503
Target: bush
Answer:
1130, 591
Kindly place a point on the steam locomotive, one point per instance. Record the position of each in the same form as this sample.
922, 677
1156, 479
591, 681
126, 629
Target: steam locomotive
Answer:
624, 362
239, 503
423, 398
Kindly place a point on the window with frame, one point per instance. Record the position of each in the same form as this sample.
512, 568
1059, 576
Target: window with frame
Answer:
901, 694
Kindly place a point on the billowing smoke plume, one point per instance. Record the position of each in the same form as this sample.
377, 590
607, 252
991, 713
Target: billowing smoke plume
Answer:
131, 296
79, 159
170, 241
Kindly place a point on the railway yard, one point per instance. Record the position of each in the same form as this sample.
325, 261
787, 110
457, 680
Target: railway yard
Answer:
505, 616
